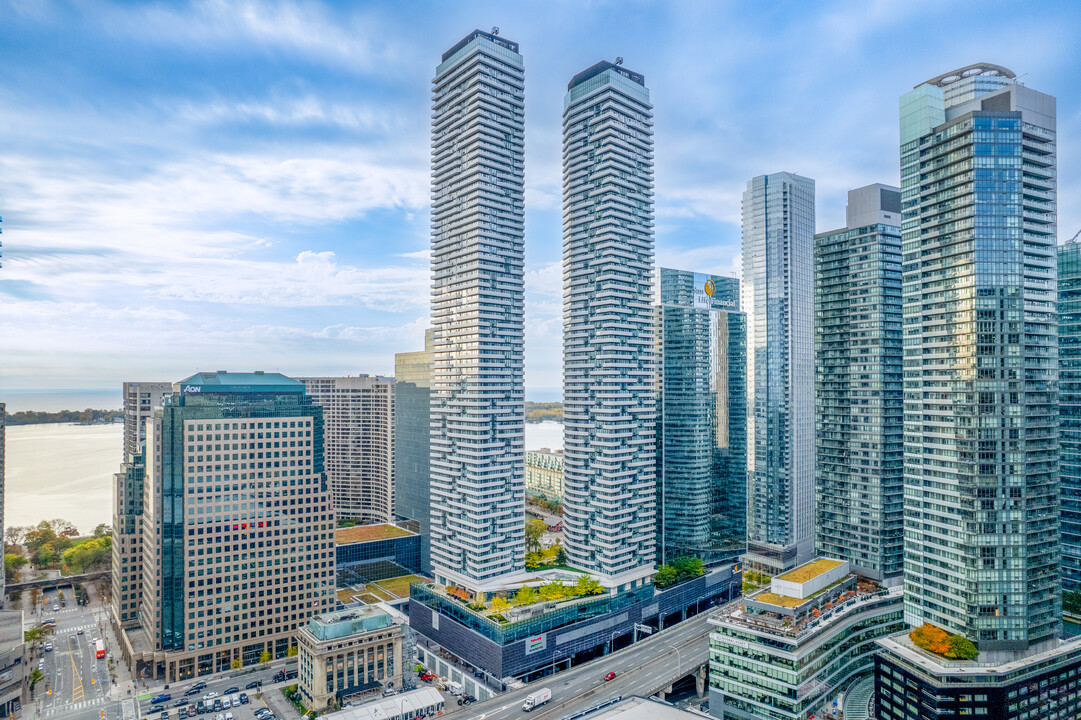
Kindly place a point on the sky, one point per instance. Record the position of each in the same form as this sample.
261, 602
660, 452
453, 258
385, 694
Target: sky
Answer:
244, 185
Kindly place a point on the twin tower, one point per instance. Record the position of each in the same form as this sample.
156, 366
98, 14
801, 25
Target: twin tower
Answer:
477, 401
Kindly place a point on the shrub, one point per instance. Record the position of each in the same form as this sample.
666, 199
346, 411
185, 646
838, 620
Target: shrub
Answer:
936, 640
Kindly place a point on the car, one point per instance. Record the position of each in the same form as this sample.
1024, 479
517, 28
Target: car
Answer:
41, 664
158, 699
610, 676
210, 695
231, 690
228, 716
48, 647
56, 608
278, 677
263, 711
200, 707
243, 698
219, 716
253, 685
192, 711
181, 703
191, 691
217, 705
468, 699
79, 631
226, 703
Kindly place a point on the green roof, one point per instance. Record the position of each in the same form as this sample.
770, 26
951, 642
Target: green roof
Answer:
222, 381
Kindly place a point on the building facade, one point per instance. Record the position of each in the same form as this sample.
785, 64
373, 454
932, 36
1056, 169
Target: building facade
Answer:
377, 552
544, 474
980, 360
348, 654
859, 471
609, 405
3, 436
412, 443
1069, 408
13, 661
702, 420
238, 544
140, 399
778, 297
478, 397
358, 444
790, 648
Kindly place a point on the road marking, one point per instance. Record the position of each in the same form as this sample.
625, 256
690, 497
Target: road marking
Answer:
76, 679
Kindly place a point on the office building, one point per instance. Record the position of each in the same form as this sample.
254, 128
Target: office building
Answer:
609, 404
1069, 408
980, 361
238, 544
478, 400
778, 297
358, 444
13, 661
376, 552
140, 399
859, 474
347, 655
544, 474
412, 443
702, 423
790, 648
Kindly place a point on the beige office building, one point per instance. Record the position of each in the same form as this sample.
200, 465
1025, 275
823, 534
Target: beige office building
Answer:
544, 473
349, 653
358, 430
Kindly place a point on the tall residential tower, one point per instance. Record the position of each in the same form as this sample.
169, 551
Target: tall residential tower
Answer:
608, 362
478, 400
1069, 408
702, 423
778, 297
859, 477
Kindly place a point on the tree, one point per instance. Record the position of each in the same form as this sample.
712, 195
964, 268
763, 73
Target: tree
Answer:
12, 563
962, 648
526, 596
689, 567
89, 555
103, 530
264, 657
666, 575
15, 535
35, 597
561, 555
236, 664
534, 531
499, 605
35, 635
587, 585
552, 591
36, 676
292, 651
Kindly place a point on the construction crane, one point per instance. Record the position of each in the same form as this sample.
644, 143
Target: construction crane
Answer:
1074, 238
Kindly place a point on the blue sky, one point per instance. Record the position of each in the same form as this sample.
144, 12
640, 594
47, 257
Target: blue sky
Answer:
244, 185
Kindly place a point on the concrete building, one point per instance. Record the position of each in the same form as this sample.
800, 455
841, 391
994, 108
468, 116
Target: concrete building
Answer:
13, 666
425, 702
358, 444
635, 708
1069, 409
702, 424
237, 525
789, 648
981, 361
609, 404
859, 473
140, 399
544, 474
478, 397
377, 552
778, 297
412, 443
347, 655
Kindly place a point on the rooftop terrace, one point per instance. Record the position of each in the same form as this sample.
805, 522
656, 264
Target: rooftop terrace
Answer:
368, 533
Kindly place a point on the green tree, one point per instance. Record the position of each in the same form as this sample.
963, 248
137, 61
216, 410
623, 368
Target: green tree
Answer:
533, 560
587, 585
534, 531
561, 555
292, 651
90, 555
103, 530
236, 664
499, 605
526, 596
35, 635
264, 657
12, 563
962, 648
666, 576
36, 676
689, 567
552, 591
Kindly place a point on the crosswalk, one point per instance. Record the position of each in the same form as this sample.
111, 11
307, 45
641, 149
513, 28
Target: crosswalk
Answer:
65, 708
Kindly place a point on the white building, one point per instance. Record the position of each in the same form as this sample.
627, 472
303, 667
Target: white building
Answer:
358, 444
608, 361
478, 401
778, 297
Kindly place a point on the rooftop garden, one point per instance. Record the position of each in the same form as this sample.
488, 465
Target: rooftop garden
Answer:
494, 606
367, 533
937, 641
681, 570
810, 571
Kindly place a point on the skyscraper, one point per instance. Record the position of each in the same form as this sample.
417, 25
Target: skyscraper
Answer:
358, 444
859, 475
608, 361
238, 531
778, 297
478, 401
702, 424
140, 399
1069, 408
412, 442
980, 360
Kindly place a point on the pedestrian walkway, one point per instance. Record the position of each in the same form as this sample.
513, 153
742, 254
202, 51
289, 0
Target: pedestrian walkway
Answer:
858, 699
64, 708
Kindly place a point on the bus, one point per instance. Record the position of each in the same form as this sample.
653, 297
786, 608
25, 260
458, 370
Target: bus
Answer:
99, 648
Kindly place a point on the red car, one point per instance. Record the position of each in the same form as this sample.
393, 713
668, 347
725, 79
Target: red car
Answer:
610, 676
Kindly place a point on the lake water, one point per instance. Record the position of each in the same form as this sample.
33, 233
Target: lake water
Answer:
547, 434
57, 400
61, 471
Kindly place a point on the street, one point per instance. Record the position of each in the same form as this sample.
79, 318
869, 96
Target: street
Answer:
638, 668
274, 699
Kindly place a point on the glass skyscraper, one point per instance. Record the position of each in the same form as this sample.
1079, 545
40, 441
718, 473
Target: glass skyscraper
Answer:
778, 297
1069, 408
412, 442
980, 360
702, 423
608, 364
478, 401
859, 475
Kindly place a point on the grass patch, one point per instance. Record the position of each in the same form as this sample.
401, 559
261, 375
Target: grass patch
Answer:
369, 598
346, 596
779, 600
399, 586
373, 589
810, 570
367, 533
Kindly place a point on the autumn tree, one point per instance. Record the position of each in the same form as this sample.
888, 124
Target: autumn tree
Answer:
534, 531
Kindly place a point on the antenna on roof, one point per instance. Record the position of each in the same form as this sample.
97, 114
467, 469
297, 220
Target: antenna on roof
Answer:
619, 61
495, 30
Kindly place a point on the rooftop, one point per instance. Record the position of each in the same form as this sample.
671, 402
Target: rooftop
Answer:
810, 571
368, 533
639, 708
492, 36
224, 381
901, 646
339, 624
603, 66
